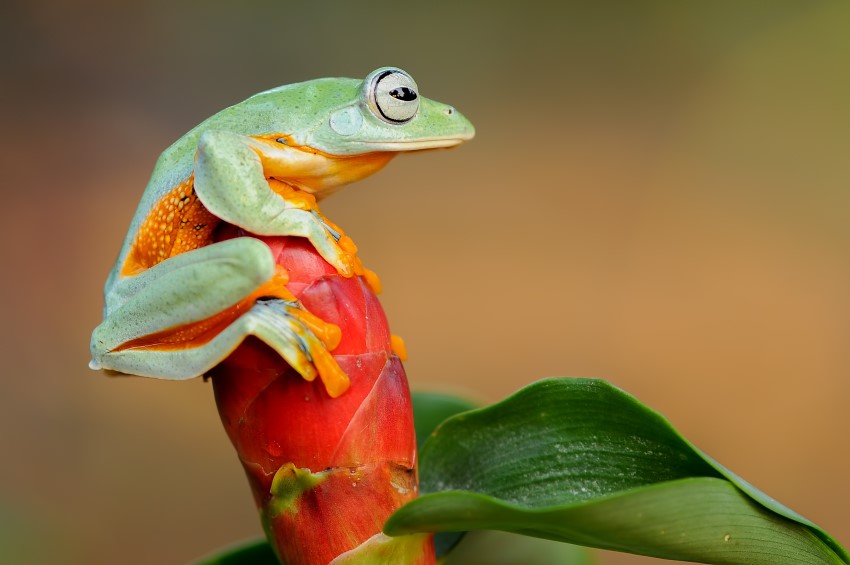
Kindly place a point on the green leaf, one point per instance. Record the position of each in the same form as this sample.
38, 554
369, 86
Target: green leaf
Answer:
431, 408
485, 547
580, 461
254, 552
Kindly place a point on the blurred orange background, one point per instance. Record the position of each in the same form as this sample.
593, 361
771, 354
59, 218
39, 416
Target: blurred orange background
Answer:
657, 195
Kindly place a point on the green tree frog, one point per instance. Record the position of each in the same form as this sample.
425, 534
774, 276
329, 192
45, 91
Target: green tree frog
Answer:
177, 301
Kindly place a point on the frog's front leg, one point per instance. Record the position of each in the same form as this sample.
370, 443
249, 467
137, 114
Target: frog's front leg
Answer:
184, 315
231, 181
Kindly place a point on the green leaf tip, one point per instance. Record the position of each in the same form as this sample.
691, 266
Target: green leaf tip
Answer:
581, 461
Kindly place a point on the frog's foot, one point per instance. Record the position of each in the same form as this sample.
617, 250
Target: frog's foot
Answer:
302, 339
305, 201
398, 347
263, 187
346, 243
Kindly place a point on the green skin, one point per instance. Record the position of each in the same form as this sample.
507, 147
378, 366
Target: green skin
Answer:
337, 116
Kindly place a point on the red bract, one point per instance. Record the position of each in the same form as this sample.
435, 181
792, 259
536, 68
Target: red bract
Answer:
326, 472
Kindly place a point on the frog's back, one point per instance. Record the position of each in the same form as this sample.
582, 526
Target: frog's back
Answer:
284, 109
279, 110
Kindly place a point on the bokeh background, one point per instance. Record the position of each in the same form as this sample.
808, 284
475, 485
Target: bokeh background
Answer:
657, 195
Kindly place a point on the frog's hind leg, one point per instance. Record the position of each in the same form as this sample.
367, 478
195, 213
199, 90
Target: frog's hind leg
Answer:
280, 324
183, 316
183, 289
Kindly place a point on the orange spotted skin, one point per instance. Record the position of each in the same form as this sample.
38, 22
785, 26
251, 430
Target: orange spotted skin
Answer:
177, 223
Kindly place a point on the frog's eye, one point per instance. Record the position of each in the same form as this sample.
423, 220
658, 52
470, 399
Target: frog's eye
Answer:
392, 95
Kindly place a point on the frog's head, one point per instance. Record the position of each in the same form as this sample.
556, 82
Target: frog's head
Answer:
389, 114
333, 131
384, 112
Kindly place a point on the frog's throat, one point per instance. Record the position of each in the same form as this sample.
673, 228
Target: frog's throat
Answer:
310, 169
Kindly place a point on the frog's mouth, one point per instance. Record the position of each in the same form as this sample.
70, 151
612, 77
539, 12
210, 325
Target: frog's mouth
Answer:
418, 144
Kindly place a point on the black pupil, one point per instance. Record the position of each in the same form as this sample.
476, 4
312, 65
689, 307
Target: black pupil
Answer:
403, 93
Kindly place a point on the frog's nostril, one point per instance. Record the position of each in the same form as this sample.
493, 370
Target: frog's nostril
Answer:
449, 111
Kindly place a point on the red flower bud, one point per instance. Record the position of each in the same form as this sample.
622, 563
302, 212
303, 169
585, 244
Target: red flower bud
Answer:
326, 472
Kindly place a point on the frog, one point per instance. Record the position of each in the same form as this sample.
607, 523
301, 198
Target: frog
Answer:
178, 300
